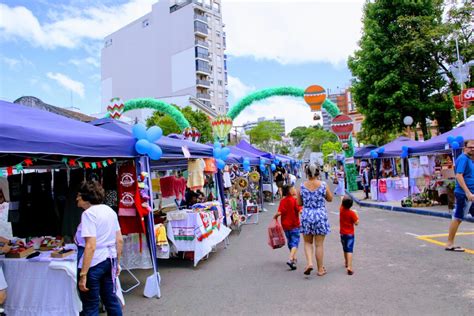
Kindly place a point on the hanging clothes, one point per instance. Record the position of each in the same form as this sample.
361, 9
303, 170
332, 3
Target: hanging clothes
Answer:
179, 187
210, 165
227, 180
196, 174
166, 185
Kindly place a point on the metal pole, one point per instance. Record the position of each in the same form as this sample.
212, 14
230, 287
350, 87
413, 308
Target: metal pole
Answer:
464, 110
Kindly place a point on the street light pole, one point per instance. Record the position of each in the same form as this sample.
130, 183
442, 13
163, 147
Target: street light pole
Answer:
464, 110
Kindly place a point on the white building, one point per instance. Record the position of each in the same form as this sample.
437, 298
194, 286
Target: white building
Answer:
175, 53
249, 125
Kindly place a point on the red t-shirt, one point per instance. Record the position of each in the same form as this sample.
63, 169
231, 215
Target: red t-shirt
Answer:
347, 218
290, 213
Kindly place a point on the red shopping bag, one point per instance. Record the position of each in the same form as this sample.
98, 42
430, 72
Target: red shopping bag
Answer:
276, 235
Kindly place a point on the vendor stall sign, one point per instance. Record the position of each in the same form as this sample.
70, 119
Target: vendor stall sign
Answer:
468, 95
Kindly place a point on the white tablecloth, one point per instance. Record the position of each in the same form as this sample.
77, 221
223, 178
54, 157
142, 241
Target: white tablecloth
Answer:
200, 248
41, 288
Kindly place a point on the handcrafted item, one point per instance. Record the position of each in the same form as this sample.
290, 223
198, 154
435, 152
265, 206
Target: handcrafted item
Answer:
342, 125
254, 176
192, 134
241, 184
221, 126
115, 108
51, 243
19, 252
315, 96
62, 253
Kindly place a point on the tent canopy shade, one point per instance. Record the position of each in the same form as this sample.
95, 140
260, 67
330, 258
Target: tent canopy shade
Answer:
394, 148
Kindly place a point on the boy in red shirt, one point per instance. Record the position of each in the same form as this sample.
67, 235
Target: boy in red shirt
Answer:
347, 219
289, 210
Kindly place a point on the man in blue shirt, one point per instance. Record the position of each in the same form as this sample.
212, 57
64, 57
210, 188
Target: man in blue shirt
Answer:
464, 192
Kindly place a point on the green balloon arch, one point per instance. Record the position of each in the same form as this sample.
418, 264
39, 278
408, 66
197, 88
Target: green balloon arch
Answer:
161, 106
328, 105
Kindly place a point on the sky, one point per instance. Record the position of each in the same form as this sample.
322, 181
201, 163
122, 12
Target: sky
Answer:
51, 49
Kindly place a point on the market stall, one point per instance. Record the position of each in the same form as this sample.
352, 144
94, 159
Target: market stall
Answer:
42, 203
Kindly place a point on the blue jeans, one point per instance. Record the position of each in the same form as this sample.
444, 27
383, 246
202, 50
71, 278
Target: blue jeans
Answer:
100, 284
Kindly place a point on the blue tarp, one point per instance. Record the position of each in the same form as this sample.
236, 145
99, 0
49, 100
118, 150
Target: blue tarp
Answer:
394, 148
26, 130
439, 143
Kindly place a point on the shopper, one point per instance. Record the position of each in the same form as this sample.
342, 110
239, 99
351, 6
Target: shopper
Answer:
280, 178
347, 219
100, 243
339, 180
464, 193
366, 178
290, 221
314, 218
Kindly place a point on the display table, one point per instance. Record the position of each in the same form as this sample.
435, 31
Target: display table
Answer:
193, 233
39, 288
395, 189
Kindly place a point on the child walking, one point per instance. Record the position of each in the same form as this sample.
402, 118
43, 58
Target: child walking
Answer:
347, 219
289, 210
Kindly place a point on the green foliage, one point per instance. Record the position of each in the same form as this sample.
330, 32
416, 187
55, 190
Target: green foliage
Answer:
282, 149
298, 134
265, 134
399, 68
195, 118
329, 148
316, 137
158, 105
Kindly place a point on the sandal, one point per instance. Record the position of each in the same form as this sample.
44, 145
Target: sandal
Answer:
455, 249
308, 270
322, 273
350, 272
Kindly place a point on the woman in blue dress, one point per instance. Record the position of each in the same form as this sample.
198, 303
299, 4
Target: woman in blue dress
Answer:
313, 195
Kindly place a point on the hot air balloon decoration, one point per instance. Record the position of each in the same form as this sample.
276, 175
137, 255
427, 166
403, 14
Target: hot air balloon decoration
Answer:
221, 126
316, 117
115, 108
342, 125
315, 97
192, 134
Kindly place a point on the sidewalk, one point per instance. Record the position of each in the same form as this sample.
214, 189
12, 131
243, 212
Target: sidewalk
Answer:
436, 210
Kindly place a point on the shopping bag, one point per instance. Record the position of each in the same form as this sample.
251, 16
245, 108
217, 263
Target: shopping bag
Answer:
276, 236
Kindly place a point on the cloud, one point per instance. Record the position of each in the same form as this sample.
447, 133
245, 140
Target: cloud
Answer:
71, 26
237, 88
16, 63
293, 32
295, 112
68, 83
89, 61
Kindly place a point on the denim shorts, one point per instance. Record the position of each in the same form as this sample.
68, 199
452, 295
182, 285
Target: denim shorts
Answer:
461, 208
293, 237
347, 242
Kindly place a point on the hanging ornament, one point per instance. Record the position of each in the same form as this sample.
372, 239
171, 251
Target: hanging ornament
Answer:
342, 125
315, 96
192, 134
254, 176
221, 126
316, 117
115, 108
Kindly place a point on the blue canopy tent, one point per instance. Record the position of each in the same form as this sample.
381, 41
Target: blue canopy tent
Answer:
249, 148
439, 143
361, 151
26, 132
394, 148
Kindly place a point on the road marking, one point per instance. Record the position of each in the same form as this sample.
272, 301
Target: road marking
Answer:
430, 238
411, 234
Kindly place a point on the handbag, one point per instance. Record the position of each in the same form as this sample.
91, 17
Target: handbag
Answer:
335, 181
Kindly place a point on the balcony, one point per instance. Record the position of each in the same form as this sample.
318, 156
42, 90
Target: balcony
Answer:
204, 96
200, 30
200, 17
203, 83
201, 43
205, 70
203, 56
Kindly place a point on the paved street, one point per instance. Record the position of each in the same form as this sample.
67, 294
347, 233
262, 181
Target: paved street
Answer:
395, 273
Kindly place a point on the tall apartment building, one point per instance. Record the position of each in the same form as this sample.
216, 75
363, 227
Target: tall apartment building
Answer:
249, 125
175, 53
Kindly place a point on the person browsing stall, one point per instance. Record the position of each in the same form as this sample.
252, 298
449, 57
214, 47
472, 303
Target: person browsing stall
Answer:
290, 221
464, 193
100, 243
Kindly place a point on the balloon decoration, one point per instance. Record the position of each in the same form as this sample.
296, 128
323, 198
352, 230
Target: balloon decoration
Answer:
146, 140
220, 154
192, 134
316, 117
115, 108
374, 154
404, 153
342, 125
246, 164
455, 142
315, 97
221, 126
273, 167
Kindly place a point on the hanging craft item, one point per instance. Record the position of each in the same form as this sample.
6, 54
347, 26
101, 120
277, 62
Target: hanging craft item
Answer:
145, 144
254, 176
342, 125
221, 126
192, 134
316, 117
115, 108
315, 97
241, 184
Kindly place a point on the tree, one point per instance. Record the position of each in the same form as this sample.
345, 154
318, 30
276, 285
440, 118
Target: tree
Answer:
397, 68
315, 138
282, 149
329, 148
266, 134
195, 118
298, 134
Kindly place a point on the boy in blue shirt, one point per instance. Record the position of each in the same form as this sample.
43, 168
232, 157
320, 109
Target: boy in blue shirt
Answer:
464, 192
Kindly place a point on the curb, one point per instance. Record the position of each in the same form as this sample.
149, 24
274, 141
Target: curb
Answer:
406, 209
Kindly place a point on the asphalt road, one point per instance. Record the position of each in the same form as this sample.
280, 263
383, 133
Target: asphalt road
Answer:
395, 273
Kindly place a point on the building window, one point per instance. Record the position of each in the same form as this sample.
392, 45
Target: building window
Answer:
219, 82
218, 34
145, 23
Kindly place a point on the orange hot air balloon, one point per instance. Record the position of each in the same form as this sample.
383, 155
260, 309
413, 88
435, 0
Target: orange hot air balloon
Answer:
315, 97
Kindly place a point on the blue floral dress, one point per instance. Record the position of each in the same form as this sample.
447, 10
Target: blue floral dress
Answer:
314, 219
